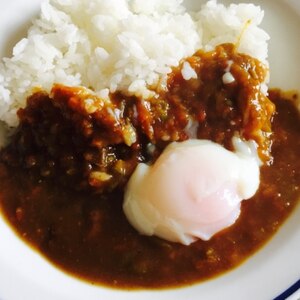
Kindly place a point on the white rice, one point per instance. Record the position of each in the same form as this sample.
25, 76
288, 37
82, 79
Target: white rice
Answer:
188, 72
127, 45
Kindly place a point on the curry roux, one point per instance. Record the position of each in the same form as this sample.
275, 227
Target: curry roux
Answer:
86, 234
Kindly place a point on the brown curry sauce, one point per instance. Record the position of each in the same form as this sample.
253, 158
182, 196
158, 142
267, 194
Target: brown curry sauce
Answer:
84, 231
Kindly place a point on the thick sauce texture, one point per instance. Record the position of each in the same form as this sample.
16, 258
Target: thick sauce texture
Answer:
94, 144
82, 229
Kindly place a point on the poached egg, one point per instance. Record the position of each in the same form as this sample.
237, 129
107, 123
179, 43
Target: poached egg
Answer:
193, 190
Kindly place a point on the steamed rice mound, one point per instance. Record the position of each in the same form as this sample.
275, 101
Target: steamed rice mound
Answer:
126, 45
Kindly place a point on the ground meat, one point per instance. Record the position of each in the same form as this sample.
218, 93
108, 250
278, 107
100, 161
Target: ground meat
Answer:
75, 138
86, 142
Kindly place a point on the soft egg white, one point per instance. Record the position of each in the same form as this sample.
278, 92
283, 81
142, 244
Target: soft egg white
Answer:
192, 191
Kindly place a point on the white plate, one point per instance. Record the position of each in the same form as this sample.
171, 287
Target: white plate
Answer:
26, 275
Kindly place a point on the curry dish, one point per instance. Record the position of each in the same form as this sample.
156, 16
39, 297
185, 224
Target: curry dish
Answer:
73, 153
